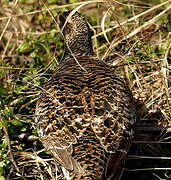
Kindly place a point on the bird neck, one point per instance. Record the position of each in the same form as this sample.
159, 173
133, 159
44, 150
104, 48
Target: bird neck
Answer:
78, 46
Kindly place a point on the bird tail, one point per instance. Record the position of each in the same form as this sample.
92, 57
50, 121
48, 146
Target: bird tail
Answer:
116, 161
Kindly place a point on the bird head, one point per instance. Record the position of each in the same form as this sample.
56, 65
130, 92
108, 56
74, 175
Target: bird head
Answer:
77, 33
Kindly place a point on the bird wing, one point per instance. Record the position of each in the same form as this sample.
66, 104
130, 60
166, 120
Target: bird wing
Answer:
61, 117
114, 110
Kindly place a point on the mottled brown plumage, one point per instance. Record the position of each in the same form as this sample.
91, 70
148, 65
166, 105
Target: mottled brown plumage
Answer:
85, 114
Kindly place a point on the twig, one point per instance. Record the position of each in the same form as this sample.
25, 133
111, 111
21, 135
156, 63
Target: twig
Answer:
139, 130
9, 142
25, 137
152, 129
57, 7
147, 157
150, 169
9, 19
133, 18
19, 68
136, 31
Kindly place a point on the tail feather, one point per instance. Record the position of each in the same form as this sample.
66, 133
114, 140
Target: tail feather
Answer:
116, 161
63, 156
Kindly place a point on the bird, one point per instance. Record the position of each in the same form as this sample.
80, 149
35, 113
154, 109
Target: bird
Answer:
85, 113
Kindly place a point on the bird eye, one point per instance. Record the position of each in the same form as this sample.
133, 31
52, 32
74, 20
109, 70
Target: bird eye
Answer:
91, 32
62, 18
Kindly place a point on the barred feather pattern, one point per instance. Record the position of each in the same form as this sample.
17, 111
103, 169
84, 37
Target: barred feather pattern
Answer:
85, 115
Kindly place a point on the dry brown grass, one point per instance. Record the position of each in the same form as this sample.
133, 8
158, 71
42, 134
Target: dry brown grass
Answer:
134, 36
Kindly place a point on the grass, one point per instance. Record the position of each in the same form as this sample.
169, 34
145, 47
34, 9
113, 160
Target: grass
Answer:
134, 36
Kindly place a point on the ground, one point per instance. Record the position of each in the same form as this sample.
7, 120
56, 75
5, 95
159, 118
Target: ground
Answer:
132, 36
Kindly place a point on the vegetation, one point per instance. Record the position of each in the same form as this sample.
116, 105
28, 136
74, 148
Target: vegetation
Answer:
133, 36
